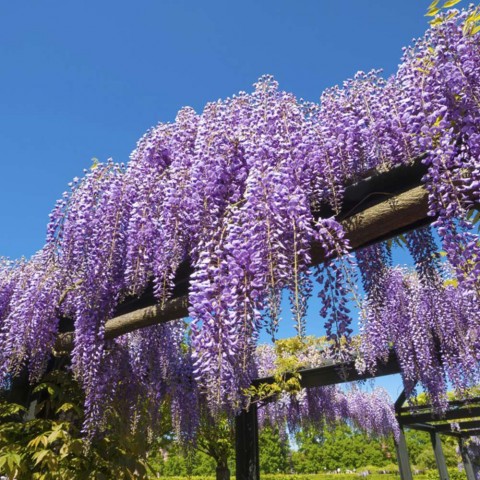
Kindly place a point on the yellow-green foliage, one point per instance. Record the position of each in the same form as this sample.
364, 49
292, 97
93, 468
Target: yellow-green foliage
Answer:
289, 360
51, 446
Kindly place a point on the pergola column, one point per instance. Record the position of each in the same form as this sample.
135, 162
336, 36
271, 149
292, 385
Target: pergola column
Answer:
467, 463
439, 456
402, 457
246, 444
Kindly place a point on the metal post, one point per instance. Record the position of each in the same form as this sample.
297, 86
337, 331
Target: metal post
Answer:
246, 444
439, 457
402, 457
467, 463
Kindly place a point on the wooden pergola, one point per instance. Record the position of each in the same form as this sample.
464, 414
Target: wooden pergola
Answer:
460, 420
246, 425
421, 418
377, 208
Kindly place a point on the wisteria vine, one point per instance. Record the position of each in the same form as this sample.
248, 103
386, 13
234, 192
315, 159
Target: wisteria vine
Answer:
235, 191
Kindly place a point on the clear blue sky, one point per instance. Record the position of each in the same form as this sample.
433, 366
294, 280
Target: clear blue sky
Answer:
87, 79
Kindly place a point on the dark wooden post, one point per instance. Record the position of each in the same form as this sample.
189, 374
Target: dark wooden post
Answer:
439, 457
402, 457
246, 444
467, 463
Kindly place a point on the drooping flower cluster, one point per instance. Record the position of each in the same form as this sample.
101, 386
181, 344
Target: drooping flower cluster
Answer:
372, 412
156, 365
434, 330
236, 192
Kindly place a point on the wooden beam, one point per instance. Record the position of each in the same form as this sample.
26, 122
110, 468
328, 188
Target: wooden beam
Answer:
447, 427
467, 462
400, 401
424, 427
336, 373
475, 432
397, 214
454, 414
465, 402
464, 428
174, 309
392, 216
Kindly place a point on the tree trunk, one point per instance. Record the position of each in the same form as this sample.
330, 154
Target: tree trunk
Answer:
222, 472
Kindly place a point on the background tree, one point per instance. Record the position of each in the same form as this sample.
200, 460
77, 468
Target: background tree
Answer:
342, 447
274, 451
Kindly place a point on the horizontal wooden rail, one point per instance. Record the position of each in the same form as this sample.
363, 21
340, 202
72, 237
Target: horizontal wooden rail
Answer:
467, 433
453, 414
447, 427
336, 373
174, 309
465, 402
465, 428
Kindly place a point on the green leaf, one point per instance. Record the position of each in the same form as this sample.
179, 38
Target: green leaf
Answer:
11, 459
8, 409
65, 407
475, 30
450, 3
56, 435
471, 23
400, 241
41, 439
432, 13
40, 388
76, 447
64, 450
476, 218
473, 216
474, 17
39, 456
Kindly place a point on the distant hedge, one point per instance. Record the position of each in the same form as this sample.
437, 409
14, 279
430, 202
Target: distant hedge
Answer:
320, 476
430, 475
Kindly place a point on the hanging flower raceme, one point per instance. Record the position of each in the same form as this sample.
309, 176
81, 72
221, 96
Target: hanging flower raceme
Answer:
161, 221
31, 293
154, 366
88, 237
372, 412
